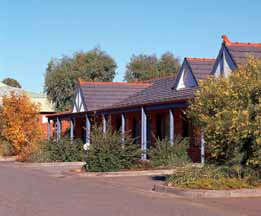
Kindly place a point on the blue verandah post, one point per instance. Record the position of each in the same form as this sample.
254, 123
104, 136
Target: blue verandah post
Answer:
171, 127
71, 129
143, 134
87, 129
104, 123
122, 128
58, 129
202, 148
49, 130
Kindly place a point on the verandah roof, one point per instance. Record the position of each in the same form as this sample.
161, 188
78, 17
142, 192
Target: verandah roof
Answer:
65, 115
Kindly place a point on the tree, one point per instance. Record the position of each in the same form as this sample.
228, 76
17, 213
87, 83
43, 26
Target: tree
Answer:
168, 64
229, 112
144, 67
62, 75
11, 82
21, 130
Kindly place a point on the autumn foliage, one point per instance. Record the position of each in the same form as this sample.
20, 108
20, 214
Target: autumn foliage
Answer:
19, 125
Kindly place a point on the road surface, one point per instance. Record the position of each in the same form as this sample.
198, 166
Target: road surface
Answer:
44, 192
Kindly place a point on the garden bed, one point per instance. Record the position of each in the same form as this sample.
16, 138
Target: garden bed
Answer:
212, 177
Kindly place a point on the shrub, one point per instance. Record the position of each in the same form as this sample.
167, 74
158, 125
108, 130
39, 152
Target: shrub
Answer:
63, 151
165, 154
143, 165
229, 112
107, 152
212, 177
42, 154
6, 148
19, 125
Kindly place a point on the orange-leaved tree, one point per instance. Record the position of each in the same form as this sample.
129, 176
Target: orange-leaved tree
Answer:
19, 124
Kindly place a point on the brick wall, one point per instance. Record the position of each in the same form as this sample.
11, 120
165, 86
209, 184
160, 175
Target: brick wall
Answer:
43, 123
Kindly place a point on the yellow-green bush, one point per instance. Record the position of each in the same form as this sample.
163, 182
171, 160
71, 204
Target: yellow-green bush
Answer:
229, 112
215, 178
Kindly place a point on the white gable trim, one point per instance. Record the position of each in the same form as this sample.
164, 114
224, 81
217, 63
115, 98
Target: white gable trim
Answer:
185, 77
78, 104
228, 64
224, 64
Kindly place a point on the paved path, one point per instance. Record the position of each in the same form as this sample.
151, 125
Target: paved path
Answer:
43, 192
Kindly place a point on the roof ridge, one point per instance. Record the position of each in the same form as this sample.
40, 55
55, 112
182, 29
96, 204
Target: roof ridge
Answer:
113, 83
199, 59
227, 42
162, 77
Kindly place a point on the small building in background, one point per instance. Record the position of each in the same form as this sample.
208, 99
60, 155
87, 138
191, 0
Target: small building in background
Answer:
45, 107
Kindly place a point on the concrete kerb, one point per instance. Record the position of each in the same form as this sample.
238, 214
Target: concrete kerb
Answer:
7, 159
122, 173
194, 193
51, 164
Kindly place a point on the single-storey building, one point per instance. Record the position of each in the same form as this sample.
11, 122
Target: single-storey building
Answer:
154, 108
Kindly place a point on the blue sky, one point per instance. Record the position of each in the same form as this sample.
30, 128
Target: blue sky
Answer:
34, 31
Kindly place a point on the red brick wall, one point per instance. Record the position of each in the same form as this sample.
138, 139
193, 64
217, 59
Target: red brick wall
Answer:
194, 147
44, 126
129, 123
178, 127
79, 128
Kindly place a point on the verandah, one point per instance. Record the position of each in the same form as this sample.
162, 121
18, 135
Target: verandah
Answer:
82, 122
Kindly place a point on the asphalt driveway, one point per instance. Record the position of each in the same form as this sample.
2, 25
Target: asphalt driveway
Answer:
43, 191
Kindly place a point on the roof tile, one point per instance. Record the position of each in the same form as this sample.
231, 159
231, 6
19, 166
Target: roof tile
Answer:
98, 95
201, 67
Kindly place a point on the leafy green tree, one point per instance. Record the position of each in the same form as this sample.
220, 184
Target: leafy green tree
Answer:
62, 74
144, 67
229, 112
168, 64
12, 82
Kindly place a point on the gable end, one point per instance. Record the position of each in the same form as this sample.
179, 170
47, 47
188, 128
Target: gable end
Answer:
79, 103
224, 64
185, 77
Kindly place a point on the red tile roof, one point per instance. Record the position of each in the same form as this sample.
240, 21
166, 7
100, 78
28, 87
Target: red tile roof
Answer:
200, 59
240, 52
98, 95
112, 83
230, 43
160, 92
201, 67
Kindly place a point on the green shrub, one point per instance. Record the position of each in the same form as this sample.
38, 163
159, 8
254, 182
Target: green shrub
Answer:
6, 148
165, 154
107, 153
143, 165
42, 153
213, 177
63, 151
